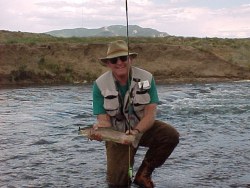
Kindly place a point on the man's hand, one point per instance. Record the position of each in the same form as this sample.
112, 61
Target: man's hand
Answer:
137, 134
133, 131
103, 120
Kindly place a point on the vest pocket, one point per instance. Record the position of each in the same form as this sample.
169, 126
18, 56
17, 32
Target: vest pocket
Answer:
111, 103
140, 100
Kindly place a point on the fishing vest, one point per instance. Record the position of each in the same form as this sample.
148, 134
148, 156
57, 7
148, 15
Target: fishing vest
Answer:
127, 112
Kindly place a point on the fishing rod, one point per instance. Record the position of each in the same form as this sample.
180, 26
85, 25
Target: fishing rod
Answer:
130, 168
127, 25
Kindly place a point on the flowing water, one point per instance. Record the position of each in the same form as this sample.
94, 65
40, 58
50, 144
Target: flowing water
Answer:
40, 145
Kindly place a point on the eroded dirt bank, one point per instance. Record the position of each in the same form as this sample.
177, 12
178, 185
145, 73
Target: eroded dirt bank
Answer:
77, 63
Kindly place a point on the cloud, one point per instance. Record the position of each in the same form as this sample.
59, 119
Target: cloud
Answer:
201, 21
231, 22
178, 1
176, 17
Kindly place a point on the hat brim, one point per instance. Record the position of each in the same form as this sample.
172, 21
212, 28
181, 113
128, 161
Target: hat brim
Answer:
104, 60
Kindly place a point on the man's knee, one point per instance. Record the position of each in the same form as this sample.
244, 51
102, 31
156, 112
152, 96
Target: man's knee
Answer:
168, 132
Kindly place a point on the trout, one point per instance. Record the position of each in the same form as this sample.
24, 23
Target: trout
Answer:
107, 134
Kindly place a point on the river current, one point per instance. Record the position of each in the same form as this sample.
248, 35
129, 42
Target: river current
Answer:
40, 145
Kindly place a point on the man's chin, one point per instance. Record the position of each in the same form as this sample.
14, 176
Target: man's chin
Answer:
121, 72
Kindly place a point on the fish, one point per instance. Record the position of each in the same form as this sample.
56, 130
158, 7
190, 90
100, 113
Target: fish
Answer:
107, 134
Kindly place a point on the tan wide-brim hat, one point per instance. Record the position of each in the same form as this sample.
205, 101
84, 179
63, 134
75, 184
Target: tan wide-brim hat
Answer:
116, 49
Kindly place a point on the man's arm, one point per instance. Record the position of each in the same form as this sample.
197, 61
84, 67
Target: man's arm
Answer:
147, 121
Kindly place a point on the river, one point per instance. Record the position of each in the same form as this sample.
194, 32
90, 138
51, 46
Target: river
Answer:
40, 145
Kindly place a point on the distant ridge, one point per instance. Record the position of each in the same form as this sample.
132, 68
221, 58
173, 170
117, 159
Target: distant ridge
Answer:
114, 30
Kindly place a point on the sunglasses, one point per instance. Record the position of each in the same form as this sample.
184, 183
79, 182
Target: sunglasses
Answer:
115, 59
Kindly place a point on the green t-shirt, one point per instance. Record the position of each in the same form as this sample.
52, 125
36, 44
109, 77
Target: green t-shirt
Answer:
98, 99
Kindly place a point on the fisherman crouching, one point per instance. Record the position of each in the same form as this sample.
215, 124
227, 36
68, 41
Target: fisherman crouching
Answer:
126, 99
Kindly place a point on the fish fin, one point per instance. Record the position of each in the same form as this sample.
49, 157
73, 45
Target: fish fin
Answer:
135, 143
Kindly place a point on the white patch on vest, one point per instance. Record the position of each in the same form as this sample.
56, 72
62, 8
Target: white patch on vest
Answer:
144, 84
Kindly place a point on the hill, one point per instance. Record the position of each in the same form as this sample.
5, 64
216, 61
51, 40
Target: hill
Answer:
42, 59
110, 31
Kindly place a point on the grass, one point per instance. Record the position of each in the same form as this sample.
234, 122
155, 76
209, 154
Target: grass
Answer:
31, 38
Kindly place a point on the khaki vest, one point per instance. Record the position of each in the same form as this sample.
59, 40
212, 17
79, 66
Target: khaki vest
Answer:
126, 113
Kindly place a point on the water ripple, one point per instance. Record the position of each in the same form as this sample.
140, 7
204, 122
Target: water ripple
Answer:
40, 145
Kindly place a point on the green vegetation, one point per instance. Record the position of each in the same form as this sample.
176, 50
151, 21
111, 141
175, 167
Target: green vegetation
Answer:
20, 74
201, 43
49, 66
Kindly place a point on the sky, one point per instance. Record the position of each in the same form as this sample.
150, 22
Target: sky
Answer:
187, 18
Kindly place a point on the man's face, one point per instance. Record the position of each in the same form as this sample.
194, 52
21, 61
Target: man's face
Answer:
119, 66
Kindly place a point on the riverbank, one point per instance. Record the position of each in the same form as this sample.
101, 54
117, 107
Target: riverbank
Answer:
40, 59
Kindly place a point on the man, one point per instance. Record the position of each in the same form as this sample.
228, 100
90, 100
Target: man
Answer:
126, 98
